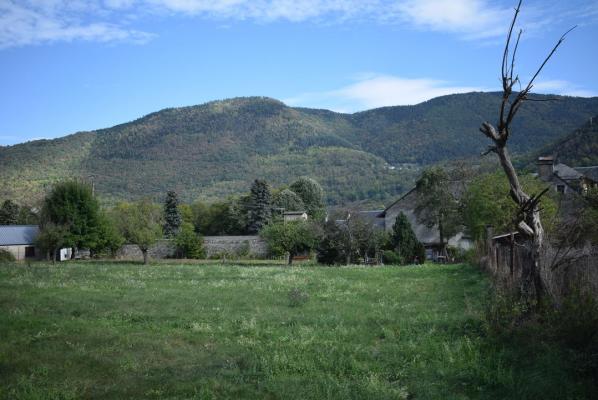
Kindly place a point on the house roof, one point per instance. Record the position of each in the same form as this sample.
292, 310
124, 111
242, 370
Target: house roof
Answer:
565, 172
11, 235
589, 172
375, 217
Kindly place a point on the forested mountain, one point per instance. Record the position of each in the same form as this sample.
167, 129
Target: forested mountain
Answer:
579, 148
216, 149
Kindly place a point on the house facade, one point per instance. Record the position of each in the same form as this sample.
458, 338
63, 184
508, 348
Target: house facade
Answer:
20, 241
565, 179
429, 237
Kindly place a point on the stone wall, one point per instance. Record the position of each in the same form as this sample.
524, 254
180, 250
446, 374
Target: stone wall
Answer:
253, 246
229, 246
162, 249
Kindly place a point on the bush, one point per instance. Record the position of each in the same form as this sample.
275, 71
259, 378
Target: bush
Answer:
392, 258
6, 256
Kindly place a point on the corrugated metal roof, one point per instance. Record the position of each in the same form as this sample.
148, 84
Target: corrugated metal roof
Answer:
18, 234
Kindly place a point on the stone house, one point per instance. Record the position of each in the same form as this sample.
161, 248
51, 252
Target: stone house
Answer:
565, 179
429, 237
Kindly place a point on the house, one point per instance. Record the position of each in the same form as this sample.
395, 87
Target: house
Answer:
20, 240
429, 237
565, 179
294, 216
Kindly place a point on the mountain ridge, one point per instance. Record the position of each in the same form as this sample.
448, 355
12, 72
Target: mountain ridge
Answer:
216, 149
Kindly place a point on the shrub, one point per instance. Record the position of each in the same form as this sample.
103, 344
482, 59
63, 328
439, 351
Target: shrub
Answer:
6, 256
392, 258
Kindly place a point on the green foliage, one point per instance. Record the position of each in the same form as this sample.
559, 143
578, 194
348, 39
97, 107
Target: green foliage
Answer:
486, 201
288, 200
109, 237
312, 195
6, 256
259, 208
9, 213
404, 242
292, 237
227, 217
437, 203
349, 240
390, 257
329, 247
27, 216
72, 205
202, 147
140, 223
172, 214
579, 148
189, 243
51, 238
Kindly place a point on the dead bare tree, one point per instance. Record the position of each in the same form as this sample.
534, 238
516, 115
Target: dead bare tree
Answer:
528, 218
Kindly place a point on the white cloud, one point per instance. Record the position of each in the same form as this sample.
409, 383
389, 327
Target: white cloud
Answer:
33, 22
25, 22
378, 91
562, 87
474, 18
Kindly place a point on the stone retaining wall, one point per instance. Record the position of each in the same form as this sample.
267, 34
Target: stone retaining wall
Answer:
229, 246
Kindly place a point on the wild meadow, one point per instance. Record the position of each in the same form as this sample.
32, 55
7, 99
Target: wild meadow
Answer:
107, 330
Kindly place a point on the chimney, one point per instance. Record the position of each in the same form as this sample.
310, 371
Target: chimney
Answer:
545, 167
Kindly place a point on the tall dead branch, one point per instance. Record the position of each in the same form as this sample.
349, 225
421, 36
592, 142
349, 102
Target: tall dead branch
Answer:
528, 223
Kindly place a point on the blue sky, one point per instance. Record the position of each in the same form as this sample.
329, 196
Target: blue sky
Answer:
74, 65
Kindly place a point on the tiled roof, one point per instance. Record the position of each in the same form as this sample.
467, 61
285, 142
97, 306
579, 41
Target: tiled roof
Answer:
18, 234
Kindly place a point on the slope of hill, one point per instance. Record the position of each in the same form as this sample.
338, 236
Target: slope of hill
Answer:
216, 149
579, 148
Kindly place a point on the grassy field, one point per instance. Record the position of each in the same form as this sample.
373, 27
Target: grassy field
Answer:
112, 331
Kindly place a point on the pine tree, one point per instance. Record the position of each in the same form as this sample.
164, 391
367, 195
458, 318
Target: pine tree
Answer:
172, 214
260, 207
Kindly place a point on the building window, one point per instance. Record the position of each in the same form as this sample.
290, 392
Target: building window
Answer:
560, 188
29, 252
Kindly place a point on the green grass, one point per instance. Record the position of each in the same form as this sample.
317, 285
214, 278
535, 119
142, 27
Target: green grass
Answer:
116, 330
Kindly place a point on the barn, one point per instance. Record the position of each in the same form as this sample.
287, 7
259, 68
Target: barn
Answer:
19, 240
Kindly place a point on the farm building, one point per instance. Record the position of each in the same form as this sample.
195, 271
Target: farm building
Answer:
19, 240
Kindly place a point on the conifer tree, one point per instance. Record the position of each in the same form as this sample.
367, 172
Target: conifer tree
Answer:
172, 214
404, 241
260, 207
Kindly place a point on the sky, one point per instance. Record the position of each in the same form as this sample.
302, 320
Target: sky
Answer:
76, 65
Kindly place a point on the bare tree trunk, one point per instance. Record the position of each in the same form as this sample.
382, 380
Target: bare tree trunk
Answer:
528, 219
145, 257
290, 260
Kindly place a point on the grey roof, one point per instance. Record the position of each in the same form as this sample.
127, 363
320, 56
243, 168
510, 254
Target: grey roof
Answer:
18, 234
374, 217
566, 172
589, 172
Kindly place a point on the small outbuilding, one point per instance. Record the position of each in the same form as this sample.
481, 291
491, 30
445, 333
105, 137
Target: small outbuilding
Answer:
294, 216
20, 240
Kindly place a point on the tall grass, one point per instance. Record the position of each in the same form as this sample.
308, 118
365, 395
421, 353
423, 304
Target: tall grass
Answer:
103, 330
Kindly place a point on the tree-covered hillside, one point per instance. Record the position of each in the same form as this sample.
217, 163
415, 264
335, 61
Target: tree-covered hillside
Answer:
579, 148
218, 148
